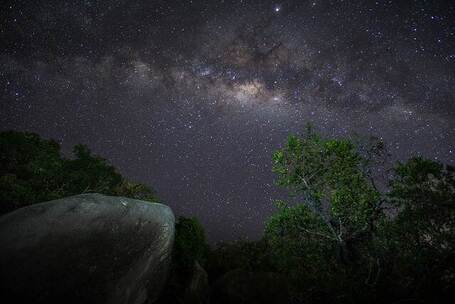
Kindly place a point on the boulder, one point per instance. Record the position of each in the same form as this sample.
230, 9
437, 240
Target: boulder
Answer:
86, 248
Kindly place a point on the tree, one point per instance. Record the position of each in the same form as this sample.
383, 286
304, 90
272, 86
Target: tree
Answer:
190, 244
327, 241
300, 242
89, 173
333, 181
32, 170
136, 190
340, 240
421, 237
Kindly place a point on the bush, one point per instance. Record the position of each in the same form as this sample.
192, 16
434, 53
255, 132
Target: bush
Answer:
190, 244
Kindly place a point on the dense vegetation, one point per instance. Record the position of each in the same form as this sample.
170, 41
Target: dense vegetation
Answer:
33, 170
353, 232
356, 231
349, 240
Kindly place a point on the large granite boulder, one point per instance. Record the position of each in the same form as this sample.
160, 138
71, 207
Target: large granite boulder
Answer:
87, 248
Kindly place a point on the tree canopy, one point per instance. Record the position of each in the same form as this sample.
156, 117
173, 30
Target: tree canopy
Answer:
349, 239
330, 177
33, 170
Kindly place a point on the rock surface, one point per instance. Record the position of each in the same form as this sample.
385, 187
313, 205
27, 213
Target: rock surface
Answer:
87, 248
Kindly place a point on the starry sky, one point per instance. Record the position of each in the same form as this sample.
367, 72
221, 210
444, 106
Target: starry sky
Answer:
193, 97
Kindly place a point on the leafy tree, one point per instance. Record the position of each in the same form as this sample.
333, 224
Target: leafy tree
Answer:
135, 190
421, 237
333, 181
89, 173
326, 243
190, 244
340, 241
295, 235
32, 170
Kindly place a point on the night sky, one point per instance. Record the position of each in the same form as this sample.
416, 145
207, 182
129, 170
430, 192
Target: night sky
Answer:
193, 97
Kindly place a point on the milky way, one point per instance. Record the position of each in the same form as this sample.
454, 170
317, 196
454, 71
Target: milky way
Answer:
193, 97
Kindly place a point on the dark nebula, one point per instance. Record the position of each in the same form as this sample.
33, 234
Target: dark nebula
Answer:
193, 97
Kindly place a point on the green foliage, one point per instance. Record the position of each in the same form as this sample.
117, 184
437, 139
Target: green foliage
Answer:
340, 242
89, 173
422, 235
32, 170
190, 244
294, 235
136, 191
330, 178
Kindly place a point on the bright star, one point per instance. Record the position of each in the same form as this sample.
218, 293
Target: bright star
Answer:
277, 8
